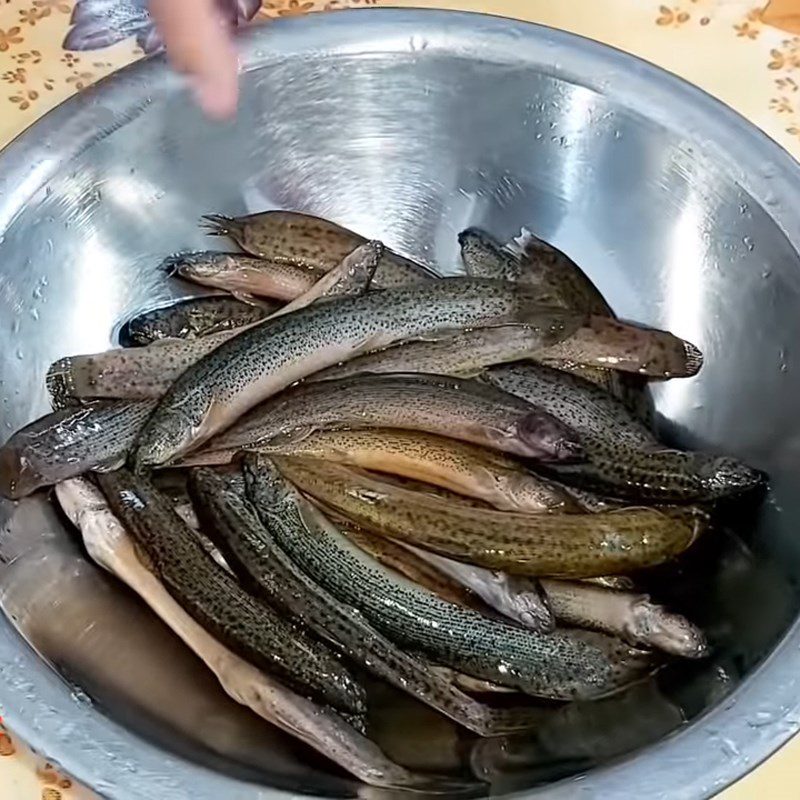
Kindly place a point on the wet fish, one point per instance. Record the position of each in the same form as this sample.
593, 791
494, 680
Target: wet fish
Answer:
262, 564
558, 665
289, 237
257, 363
242, 275
624, 459
458, 466
191, 318
629, 615
401, 559
70, 442
459, 409
352, 277
559, 339
514, 596
148, 372
556, 277
137, 373
111, 546
556, 545
562, 282
216, 601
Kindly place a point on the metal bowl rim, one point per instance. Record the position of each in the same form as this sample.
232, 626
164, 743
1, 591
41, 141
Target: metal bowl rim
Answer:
93, 747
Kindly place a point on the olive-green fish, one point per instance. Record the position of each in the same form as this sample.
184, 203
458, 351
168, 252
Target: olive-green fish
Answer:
259, 561
70, 442
458, 466
242, 275
191, 318
111, 546
212, 597
624, 459
559, 665
452, 407
560, 339
300, 240
556, 545
260, 361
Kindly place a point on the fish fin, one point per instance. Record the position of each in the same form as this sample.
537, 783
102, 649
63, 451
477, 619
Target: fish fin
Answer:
244, 297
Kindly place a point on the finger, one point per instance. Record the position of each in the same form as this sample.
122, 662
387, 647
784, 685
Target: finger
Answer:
200, 44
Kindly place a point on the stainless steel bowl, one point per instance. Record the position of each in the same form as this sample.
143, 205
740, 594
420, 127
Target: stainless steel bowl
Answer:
409, 126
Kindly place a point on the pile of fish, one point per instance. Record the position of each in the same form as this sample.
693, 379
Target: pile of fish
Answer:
342, 465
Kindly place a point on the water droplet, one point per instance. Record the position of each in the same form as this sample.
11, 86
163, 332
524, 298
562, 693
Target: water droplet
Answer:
767, 273
748, 243
617, 134
743, 208
34, 314
20, 355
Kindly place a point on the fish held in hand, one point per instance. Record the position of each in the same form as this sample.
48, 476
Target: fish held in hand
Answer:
215, 600
557, 545
245, 370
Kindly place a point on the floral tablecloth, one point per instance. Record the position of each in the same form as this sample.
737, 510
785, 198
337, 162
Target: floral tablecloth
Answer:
745, 52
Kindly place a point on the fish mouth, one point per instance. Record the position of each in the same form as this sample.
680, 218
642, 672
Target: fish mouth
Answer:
548, 439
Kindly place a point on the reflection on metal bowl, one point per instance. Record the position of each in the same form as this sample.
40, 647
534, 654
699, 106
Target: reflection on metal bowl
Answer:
409, 126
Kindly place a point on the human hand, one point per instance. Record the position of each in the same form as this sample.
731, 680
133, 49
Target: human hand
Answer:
200, 44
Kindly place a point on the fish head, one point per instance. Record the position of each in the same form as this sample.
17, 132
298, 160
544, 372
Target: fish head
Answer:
728, 476
264, 481
161, 444
672, 633
545, 438
202, 265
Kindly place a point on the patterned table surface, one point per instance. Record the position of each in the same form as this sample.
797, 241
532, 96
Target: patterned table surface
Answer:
745, 52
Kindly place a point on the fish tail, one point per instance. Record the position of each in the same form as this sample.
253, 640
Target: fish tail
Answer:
220, 225
694, 358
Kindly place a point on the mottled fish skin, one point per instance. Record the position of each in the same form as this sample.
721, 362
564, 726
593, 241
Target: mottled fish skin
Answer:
623, 459
459, 409
260, 361
631, 616
560, 281
558, 665
289, 237
458, 466
352, 277
555, 545
559, 339
514, 596
242, 275
251, 548
401, 559
191, 318
69, 442
136, 373
111, 546
212, 597
148, 372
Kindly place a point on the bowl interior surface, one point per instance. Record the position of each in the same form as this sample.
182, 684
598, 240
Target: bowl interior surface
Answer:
409, 127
